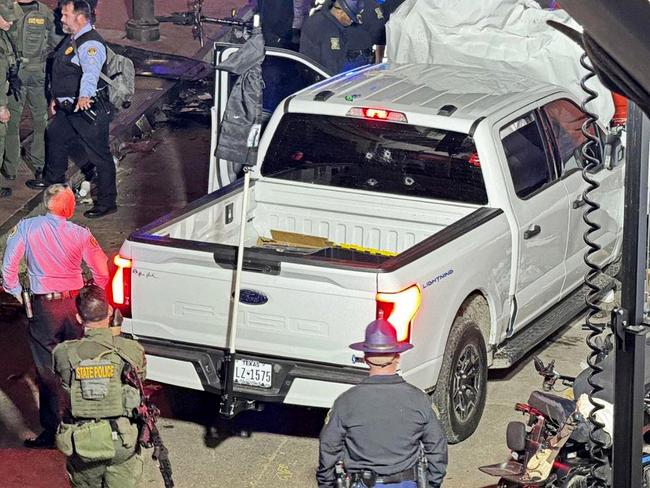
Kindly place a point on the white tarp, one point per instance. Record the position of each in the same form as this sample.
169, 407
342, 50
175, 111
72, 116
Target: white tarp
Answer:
507, 35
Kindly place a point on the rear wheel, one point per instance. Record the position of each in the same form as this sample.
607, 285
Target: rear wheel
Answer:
461, 390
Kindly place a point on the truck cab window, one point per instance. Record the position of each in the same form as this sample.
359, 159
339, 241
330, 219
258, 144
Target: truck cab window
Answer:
565, 119
377, 156
526, 155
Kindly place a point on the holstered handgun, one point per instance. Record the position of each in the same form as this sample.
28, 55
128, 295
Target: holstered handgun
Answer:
421, 470
342, 478
26, 295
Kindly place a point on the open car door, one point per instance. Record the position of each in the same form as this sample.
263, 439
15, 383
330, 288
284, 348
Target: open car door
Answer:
284, 72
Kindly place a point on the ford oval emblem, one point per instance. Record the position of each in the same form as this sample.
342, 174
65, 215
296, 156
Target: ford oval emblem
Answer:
252, 297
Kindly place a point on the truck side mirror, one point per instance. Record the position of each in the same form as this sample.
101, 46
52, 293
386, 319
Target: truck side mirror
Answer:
614, 151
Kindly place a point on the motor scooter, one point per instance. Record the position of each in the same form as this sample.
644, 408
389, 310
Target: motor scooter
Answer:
552, 448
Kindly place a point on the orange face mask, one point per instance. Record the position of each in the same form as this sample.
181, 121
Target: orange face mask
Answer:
63, 203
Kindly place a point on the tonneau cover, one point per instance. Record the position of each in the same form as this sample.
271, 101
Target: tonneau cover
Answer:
506, 35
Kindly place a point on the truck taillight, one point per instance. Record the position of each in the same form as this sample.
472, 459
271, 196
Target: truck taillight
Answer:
121, 286
399, 309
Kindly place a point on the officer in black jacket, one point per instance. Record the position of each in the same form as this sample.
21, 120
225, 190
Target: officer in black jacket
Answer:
328, 37
380, 428
80, 103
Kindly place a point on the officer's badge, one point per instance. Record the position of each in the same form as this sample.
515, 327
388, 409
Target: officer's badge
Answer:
12, 232
35, 21
380, 14
69, 51
91, 51
335, 43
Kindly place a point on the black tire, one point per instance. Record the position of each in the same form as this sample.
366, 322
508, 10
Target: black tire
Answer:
460, 413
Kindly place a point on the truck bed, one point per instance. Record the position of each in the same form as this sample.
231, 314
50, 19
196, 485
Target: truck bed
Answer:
345, 217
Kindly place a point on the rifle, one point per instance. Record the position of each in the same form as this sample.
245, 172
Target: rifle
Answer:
15, 84
149, 436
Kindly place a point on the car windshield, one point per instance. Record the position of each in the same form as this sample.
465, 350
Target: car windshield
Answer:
376, 155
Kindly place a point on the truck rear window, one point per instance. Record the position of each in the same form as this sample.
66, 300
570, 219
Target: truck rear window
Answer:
376, 156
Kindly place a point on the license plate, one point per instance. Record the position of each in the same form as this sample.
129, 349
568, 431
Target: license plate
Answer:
253, 373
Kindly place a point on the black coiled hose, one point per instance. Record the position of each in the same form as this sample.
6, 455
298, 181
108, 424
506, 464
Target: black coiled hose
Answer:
597, 477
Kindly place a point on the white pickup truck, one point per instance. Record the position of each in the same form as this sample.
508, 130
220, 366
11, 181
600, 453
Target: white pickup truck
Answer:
451, 200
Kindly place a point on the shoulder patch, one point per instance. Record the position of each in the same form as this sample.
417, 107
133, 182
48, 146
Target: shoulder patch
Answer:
335, 43
93, 241
68, 51
12, 232
91, 51
328, 416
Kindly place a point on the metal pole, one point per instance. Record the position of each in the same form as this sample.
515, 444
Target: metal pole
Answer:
143, 26
630, 332
232, 336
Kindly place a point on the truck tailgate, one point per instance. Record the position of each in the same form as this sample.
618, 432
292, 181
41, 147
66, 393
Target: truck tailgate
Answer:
311, 312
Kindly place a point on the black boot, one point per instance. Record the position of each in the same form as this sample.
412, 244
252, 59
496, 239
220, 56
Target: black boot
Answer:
38, 183
45, 440
7, 176
99, 211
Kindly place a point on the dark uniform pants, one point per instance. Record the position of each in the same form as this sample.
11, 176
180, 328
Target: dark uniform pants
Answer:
62, 132
32, 94
54, 321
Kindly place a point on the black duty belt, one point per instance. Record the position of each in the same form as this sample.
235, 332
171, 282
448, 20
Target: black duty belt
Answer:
56, 295
66, 106
406, 475
353, 54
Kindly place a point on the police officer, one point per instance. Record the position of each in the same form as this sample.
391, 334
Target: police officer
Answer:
34, 37
369, 33
328, 39
99, 405
53, 249
379, 428
7, 62
80, 103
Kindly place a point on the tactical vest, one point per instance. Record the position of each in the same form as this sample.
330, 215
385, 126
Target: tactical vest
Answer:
31, 35
96, 389
66, 75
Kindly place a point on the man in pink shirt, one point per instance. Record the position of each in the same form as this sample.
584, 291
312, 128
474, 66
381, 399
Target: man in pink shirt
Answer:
53, 249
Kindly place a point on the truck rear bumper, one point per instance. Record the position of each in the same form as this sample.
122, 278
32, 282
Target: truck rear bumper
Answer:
293, 381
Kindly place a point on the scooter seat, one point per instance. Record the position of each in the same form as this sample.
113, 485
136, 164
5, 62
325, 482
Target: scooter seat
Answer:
554, 407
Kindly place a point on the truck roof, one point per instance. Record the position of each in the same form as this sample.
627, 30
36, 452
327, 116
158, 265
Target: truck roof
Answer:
426, 89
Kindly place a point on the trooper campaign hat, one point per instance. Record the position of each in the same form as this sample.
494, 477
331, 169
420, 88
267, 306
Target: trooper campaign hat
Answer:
381, 338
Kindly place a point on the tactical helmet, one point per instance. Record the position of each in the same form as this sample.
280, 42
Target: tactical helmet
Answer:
353, 9
381, 338
7, 11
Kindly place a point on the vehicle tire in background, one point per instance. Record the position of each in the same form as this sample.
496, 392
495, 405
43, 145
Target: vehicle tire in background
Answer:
459, 397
